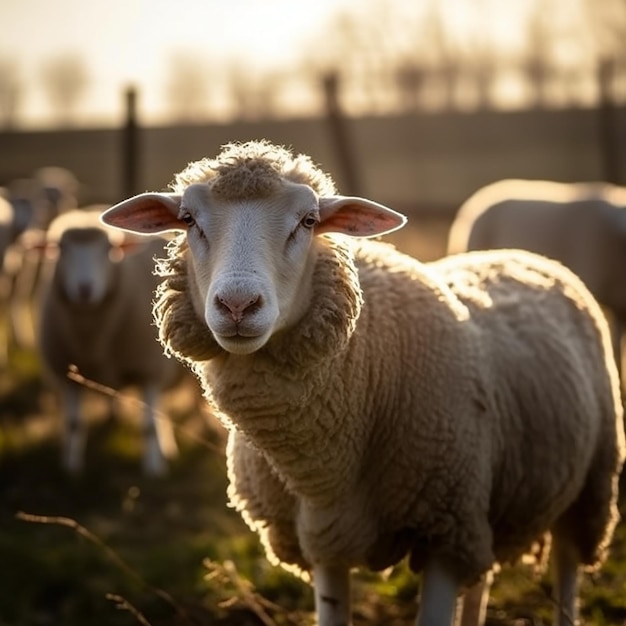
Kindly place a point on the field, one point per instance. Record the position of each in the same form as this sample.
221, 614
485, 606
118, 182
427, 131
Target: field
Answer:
111, 547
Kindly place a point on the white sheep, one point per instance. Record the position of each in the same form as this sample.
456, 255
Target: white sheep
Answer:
7, 228
582, 225
97, 315
378, 407
12, 224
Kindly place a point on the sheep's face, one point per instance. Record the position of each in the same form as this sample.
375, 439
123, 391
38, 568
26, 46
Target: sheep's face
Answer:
251, 260
85, 265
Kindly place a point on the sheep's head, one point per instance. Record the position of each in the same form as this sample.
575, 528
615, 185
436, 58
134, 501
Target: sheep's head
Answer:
252, 249
86, 255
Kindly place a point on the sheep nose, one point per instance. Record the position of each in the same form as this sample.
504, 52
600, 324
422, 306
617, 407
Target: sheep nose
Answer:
238, 306
84, 291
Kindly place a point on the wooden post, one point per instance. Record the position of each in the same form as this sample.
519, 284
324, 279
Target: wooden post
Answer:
608, 123
340, 136
130, 146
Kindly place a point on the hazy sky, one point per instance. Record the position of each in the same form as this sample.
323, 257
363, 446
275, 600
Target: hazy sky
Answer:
125, 41
133, 41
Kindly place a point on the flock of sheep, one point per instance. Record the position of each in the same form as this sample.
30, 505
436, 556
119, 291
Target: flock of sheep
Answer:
461, 413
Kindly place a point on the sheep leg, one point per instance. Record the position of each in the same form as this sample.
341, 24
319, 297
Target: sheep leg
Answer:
332, 595
159, 441
473, 606
439, 594
74, 438
565, 562
5, 302
22, 319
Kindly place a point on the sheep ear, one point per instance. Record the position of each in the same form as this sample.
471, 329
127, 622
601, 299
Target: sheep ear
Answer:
357, 217
146, 214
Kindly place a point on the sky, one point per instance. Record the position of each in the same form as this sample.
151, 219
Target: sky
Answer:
127, 41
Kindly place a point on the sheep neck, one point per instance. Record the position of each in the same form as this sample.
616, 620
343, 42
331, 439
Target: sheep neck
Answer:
275, 395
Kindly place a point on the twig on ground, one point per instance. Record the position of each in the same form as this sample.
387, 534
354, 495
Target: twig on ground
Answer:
226, 573
110, 553
124, 605
77, 377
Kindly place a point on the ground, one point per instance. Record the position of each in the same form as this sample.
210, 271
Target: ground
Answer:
112, 547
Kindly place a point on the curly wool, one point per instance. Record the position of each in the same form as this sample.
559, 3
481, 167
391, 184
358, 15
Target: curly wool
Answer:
181, 332
253, 170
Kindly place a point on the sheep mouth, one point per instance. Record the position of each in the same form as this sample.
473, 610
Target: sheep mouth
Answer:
237, 332
241, 343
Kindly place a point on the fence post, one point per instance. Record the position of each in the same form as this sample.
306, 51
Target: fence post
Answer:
340, 136
608, 123
130, 145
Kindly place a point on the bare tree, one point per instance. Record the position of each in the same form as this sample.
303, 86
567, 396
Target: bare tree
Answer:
536, 63
65, 80
447, 63
372, 53
410, 77
608, 27
10, 91
607, 19
480, 62
188, 86
241, 90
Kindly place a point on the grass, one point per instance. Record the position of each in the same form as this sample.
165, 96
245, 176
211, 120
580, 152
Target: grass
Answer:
112, 547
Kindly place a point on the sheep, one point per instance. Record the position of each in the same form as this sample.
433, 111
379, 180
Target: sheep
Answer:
50, 190
582, 225
96, 316
377, 407
6, 226
7, 236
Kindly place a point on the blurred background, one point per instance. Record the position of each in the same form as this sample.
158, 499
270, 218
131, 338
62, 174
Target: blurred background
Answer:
415, 105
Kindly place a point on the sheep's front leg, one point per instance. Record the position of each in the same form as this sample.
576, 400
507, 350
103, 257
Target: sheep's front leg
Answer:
473, 607
565, 558
332, 595
74, 436
438, 597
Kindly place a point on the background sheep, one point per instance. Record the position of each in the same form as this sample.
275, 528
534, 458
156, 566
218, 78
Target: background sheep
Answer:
378, 407
36, 201
96, 315
6, 226
583, 225
10, 229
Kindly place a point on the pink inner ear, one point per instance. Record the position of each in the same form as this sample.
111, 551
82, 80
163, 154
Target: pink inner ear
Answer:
148, 213
358, 217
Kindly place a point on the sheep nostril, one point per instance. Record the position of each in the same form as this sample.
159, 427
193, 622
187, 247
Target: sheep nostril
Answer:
238, 307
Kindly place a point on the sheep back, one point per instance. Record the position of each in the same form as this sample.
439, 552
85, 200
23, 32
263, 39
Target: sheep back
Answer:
582, 225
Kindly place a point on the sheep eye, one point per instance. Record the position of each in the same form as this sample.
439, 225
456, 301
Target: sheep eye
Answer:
187, 218
310, 220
